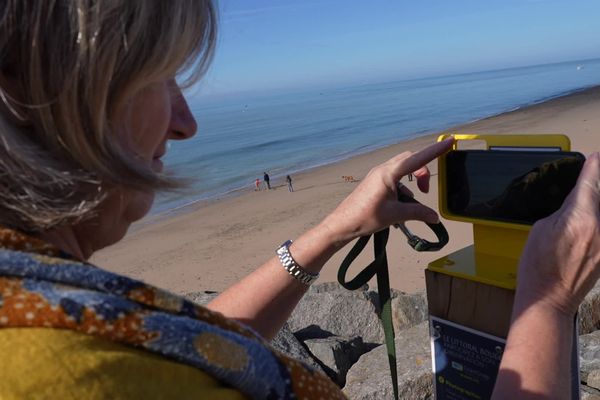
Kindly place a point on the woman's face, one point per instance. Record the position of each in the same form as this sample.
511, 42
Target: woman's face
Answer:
156, 114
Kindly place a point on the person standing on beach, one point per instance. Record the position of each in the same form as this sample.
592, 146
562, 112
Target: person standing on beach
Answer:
267, 180
289, 183
257, 184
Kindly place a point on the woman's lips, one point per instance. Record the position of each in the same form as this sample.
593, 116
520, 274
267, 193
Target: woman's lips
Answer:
157, 164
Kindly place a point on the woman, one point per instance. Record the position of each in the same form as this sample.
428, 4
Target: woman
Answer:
89, 101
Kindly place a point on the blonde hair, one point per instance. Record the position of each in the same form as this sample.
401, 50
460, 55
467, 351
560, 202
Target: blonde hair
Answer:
65, 68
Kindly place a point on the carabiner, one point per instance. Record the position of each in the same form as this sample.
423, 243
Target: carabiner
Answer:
416, 242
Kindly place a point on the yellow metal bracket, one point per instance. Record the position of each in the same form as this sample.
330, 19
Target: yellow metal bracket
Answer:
494, 256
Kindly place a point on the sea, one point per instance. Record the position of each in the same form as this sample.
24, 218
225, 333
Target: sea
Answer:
240, 137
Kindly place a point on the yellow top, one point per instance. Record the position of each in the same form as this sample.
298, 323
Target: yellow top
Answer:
70, 330
43, 363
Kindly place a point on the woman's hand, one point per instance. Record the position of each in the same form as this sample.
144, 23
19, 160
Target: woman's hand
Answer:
266, 297
561, 260
374, 204
559, 266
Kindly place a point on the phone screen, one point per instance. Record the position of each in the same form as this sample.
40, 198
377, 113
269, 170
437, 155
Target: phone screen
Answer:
508, 185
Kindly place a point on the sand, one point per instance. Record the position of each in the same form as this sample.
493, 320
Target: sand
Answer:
210, 245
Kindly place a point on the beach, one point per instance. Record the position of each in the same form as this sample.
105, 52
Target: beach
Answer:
210, 245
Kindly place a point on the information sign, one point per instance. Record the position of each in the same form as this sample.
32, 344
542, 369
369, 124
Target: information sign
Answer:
465, 361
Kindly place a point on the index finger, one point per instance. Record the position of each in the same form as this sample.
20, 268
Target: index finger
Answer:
586, 193
422, 157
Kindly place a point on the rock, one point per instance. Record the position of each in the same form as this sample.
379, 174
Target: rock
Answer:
589, 312
286, 343
326, 287
408, 309
369, 378
312, 332
589, 355
201, 298
341, 312
588, 393
593, 379
337, 354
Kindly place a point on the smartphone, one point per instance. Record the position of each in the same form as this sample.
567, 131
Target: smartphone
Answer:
516, 186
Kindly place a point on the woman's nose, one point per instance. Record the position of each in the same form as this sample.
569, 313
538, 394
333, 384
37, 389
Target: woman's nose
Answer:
183, 124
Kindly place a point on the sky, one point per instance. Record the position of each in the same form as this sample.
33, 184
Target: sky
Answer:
273, 45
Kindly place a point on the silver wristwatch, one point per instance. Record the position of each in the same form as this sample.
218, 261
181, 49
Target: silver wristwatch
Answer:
292, 267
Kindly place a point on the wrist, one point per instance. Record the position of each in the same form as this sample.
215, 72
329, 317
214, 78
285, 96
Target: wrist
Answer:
536, 304
312, 249
334, 231
540, 335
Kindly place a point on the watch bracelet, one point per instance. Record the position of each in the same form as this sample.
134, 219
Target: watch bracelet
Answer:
292, 267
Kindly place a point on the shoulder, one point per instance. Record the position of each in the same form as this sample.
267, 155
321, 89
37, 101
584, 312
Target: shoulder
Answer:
53, 363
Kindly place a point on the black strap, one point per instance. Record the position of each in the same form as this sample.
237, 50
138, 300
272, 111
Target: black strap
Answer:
421, 244
379, 267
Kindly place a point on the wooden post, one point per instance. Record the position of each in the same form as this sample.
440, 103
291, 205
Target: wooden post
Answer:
470, 321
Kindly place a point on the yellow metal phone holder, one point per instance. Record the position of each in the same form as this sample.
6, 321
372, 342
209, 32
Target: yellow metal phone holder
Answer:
470, 292
497, 246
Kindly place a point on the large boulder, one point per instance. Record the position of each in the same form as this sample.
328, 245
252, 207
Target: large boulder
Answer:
589, 359
340, 312
312, 332
593, 379
369, 378
285, 342
589, 312
588, 393
326, 287
337, 354
407, 309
